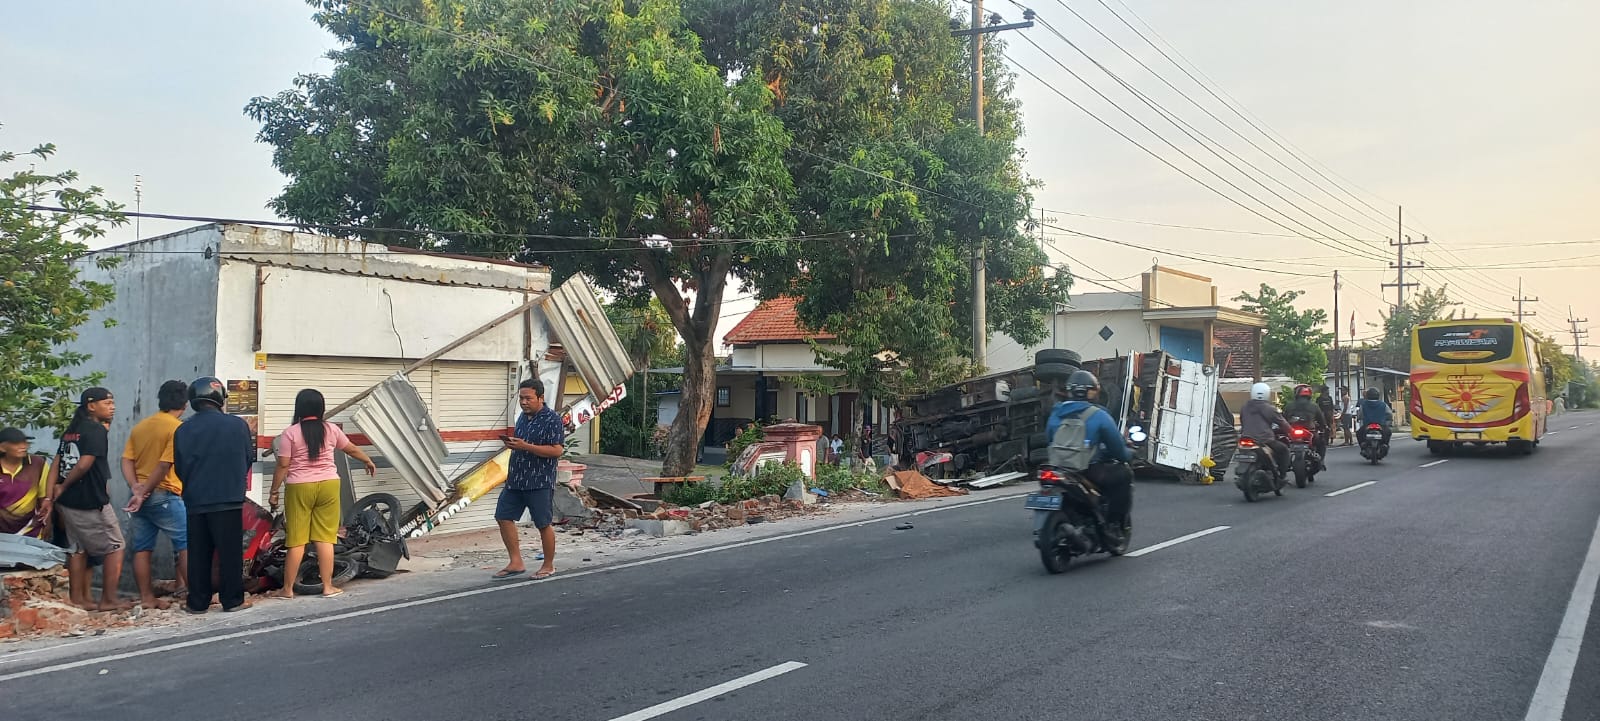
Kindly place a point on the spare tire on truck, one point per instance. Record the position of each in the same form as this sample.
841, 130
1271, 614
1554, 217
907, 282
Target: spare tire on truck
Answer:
1052, 372
1058, 355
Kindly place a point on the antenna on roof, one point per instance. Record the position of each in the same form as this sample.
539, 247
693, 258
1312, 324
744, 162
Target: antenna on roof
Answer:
138, 205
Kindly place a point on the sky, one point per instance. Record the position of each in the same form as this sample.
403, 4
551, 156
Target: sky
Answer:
1477, 117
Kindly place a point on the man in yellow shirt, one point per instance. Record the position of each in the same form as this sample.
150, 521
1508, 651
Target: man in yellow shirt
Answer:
157, 504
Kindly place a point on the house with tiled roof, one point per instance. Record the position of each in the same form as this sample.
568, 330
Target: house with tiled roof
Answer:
770, 353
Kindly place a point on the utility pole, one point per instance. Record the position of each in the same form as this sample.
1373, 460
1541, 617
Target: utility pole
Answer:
1400, 242
1338, 377
1522, 299
1577, 333
980, 279
138, 206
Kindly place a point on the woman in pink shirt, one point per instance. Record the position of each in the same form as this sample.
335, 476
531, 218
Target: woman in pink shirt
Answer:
305, 463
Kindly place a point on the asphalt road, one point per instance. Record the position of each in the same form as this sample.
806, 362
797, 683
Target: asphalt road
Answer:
1433, 594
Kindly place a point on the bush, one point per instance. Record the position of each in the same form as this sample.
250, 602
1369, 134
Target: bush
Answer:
736, 446
690, 494
770, 479
838, 479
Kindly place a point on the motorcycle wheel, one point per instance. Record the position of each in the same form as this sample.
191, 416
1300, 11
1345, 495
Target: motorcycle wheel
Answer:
1373, 459
389, 506
1052, 549
1301, 476
309, 580
1248, 485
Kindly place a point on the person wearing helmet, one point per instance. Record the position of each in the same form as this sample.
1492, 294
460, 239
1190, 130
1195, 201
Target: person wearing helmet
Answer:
1374, 410
1305, 411
213, 453
1257, 420
1109, 470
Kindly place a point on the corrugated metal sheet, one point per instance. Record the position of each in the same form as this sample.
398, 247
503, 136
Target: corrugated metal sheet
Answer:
397, 421
587, 336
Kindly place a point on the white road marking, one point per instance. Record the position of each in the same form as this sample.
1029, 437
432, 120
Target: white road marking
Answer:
661, 709
1550, 698
1573, 428
1176, 541
1435, 463
1552, 433
1355, 487
302, 623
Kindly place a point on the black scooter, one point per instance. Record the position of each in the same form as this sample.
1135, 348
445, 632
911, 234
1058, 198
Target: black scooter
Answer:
1373, 447
1255, 471
1070, 519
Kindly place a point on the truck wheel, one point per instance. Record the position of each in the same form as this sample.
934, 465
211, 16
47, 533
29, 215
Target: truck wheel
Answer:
1062, 356
1025, 393
1038, 440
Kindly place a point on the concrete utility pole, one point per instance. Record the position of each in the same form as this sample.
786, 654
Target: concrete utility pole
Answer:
1400, 242
1338, 377
1522, 299
980, 279
1578, 334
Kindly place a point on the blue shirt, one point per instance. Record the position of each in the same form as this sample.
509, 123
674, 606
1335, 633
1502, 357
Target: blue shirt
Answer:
1100, 429
213, 453
530, 471
1376, 412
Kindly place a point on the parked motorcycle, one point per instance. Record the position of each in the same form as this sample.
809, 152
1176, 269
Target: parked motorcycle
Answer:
1303, 457
1070, 519
1255, 471
369, 546
1373, 447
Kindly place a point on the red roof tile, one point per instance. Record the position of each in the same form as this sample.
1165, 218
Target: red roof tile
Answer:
774, 321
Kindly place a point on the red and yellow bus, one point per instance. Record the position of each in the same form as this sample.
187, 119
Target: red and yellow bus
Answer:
1478, 382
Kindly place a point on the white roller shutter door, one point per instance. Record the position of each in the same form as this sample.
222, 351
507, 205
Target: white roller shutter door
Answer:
468, 400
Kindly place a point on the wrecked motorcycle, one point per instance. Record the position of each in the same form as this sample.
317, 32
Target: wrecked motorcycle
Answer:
1070, 519
369, 545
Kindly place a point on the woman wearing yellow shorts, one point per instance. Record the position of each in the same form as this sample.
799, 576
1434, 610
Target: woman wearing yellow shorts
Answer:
305, 464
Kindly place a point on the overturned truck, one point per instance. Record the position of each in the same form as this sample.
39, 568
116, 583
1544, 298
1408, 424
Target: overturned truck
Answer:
1169, 411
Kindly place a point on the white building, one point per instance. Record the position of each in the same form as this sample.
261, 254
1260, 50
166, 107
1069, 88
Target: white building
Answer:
271, 312
1174, 311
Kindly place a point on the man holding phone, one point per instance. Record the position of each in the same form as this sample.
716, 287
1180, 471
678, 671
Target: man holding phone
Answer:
530, 483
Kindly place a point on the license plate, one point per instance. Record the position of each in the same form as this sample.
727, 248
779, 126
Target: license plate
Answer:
1469, 436
1374, 436
1245, 457
1042, 502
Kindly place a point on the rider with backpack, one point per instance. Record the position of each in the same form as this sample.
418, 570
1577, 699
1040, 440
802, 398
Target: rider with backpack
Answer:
1084, 438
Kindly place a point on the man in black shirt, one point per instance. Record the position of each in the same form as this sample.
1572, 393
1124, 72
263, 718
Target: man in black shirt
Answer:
82, 499
213, 453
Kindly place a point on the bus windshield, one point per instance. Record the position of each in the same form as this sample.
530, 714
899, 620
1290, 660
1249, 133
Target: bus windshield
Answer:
1460, 344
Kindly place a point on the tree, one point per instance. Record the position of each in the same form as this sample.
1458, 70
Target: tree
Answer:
1428, 304
882, 84
1295, 343
1563, 367
617, 120
647, 334
596, 121
42, 298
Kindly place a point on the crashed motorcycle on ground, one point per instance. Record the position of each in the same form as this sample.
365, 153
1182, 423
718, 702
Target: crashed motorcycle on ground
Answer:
1373, 447
369, 545
1255, 471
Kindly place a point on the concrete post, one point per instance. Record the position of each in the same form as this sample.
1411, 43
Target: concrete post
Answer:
800, 444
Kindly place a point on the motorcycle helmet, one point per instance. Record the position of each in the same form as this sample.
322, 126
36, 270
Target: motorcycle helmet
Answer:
1302, 391
1372, 394
1080, 383
1260, 392
207, 389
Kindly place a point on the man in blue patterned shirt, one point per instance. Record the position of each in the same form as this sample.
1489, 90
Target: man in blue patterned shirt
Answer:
531, 480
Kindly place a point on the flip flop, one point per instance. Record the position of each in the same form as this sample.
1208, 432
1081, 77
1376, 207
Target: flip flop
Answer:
507, 575
335, 594
540, 576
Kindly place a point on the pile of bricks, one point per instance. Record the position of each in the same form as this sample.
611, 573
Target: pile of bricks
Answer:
36, 603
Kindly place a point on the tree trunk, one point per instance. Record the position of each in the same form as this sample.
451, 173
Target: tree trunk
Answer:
697, 327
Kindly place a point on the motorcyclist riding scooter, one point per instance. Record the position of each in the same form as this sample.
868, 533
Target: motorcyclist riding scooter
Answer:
1305, 411
1256, 421
1109, 470
1374, 410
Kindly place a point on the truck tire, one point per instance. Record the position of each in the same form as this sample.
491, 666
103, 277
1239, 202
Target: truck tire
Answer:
1048, 372
1025, 393
1037, 440
1062, 356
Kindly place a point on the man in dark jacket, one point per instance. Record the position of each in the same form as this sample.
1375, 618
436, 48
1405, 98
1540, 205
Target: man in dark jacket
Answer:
1256, 420
1304, 410
1374, 410
213, 453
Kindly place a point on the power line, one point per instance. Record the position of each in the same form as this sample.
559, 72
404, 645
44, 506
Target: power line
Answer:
1204, 140
1172, 253
1150, 152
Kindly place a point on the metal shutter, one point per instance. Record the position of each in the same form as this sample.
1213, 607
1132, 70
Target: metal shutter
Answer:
470, 396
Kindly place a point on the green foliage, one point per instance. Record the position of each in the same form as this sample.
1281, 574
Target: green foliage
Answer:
42, 299
647, 334
690, 494
1421, 307
1563, 368
1295, 343
769, 480
752, 434
839, 479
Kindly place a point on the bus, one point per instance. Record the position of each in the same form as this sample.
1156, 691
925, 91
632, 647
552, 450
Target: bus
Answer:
1477, 382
